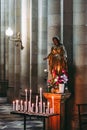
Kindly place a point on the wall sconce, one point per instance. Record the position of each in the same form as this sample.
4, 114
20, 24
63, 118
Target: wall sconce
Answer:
15, 38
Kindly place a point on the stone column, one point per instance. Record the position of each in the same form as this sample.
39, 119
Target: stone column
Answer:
3, 9
54, 22
80, 49
3, 86
14, 69
33, 45
11, 70
25, 33
79, 54
68, 43
42, 42
14, 48
17, 70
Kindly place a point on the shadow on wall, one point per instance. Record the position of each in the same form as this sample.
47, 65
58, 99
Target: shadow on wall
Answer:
71, 83
69, 109
3, 88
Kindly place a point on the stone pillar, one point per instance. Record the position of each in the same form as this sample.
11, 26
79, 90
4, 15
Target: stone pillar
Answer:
68, 43
54, 22
17, 70
11, 70
24, 75
3, 48
79, 53
3, 9
33, 45
14, 69
79, 49
14, 50
42, 42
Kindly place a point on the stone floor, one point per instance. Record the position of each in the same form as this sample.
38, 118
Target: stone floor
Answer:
14, 122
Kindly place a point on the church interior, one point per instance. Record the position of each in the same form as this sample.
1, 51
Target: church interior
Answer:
26, 31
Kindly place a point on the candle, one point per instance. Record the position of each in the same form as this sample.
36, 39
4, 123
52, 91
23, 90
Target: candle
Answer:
40, 100
37, 100
25, 106
43, 107
53, 103
17, 107
26, 94
40, 94
51, 110
30, 97
36, 104
32, 107
21, 106
40, 107
48, 108
26, 98
13, 105
29, 107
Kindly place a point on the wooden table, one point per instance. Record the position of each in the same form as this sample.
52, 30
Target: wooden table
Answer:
37, 115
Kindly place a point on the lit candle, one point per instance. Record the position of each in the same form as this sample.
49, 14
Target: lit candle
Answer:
40, 94
29, 107
36, 104
48, 108
17, 107
37, 100
21, 106
53, 103
30, 97
40, 100
26, 98
25, 106
40, 107
51, 110
13, 105
32, 107
43, 107
26, 94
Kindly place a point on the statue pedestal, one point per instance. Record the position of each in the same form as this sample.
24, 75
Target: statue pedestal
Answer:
58, 122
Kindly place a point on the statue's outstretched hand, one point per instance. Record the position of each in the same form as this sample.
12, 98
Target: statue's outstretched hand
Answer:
44, 58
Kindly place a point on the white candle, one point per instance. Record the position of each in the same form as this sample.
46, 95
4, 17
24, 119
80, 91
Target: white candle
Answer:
43, 107
30, 96
26, 98
40, 94
51, 110
39, 107
32, 107
13, 105
53, 103
21, 106
29, 106
17, 107
37, 100
26, 95
25, 106
48, 108
40, 100
36, 109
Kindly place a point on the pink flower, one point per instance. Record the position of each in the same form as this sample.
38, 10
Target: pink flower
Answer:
63, 78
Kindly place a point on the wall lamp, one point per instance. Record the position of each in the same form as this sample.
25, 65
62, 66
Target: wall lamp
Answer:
15, 38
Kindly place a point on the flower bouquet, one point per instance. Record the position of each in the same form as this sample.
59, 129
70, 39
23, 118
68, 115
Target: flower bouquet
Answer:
53, 83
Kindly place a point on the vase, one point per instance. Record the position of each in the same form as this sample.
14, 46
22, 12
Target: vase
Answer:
61, 88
